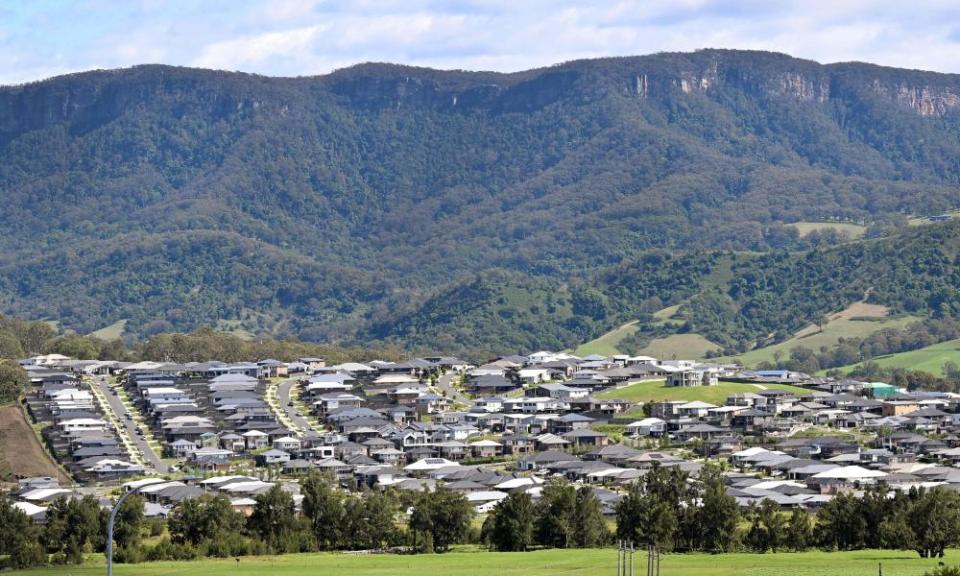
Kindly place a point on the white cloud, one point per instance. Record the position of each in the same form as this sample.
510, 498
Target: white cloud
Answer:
252, 50
304, 37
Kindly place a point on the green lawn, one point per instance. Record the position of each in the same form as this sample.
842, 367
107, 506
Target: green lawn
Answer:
549, 562
655, 390
930, 359
853, 231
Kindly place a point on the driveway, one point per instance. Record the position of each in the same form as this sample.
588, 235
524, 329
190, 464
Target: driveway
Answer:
120, 414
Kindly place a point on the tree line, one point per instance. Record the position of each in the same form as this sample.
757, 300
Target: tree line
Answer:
666, 509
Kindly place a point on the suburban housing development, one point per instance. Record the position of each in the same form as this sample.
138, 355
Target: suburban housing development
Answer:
173, 432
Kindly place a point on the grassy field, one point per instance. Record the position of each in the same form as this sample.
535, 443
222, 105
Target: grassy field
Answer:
21, 453
111, 332
680, 346
541, 563
930, 359
655, 390
853, 231
607, 345
859, 320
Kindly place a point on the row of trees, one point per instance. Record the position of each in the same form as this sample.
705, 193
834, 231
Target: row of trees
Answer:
564, 517
666, 509
73, 528
21, 338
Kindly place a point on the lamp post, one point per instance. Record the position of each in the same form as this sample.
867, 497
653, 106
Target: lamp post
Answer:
113, 517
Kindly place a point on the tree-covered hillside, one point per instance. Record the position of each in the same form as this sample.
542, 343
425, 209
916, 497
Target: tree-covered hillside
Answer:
376, 202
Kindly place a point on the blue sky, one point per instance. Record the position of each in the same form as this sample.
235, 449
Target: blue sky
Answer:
42, 38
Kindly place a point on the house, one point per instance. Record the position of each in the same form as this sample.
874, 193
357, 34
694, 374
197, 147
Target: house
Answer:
585, 437
558, 392
699, 375
486, 449
272, 457
647, 427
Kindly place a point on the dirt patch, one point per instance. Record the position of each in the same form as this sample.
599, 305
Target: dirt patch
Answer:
21, 454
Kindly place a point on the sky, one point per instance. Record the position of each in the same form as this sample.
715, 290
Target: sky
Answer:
43, 38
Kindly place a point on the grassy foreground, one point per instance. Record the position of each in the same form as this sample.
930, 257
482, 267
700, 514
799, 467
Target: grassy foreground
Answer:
547, 562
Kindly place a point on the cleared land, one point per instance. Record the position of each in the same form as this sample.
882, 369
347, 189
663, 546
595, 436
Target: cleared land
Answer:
567, 562
607, 345
859, 320
930, 359
680, 346
111, 332
21, 453
656, 390
853, 231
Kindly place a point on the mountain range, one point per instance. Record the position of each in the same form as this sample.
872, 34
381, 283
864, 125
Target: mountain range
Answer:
459, 210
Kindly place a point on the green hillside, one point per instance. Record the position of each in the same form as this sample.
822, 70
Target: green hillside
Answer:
815, 339
929, 359
353, 207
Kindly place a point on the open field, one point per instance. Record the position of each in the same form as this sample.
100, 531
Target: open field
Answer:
21, 453
655, 390
679, 346
859, 320
607, 345
853, 231
111, 332
541, 563
930, 359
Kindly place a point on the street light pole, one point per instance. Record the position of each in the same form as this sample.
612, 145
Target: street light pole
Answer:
113, 517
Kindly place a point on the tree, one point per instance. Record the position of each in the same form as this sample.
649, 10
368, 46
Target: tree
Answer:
766, 527
589, 527
274, 520
323, 507
840, 523
554, 526
129, 523
203, 520
934, 520
645, 518
19, 537
443, 517
719, 513
513, 523
13, 381
75, 526
799, 530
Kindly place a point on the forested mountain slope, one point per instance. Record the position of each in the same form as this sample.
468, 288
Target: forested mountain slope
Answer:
350, 206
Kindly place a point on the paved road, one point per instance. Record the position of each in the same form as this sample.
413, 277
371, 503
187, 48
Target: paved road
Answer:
120, 412
445, 384
284, 390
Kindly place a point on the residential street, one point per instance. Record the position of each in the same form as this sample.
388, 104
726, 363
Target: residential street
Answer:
445, 384
120, 413
283, 396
